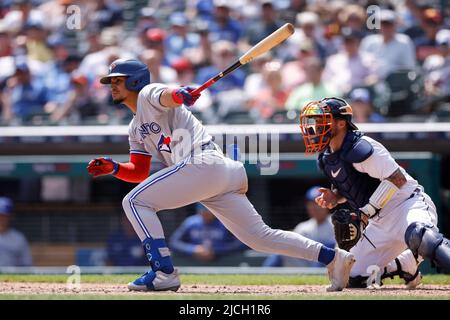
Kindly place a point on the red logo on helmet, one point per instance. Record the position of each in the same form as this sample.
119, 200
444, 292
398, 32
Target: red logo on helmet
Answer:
111, 67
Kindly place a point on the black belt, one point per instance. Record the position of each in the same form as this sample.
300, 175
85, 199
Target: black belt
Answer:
414, 193
209, 146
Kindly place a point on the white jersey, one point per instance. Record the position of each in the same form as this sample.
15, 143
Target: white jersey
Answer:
381, 165
170, 134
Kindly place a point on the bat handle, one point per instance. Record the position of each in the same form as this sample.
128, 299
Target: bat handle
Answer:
207, 84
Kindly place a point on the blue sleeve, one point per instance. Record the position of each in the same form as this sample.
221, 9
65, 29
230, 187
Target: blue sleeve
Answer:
179, 241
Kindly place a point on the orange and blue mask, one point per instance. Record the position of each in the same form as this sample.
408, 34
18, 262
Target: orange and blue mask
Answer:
315, 124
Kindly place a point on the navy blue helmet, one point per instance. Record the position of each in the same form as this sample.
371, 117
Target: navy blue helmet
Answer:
136, 72
340, 109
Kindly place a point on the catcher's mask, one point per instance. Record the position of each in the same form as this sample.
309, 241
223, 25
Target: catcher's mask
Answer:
316, 119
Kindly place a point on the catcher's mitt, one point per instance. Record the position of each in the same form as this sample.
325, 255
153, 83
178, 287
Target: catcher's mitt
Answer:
348, 227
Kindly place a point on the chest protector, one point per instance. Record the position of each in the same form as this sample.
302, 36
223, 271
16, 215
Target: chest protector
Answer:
355, 186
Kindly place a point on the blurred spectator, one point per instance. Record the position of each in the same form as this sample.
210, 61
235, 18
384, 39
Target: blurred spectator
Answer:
393, 51
147, 19
273, 96
362, 107
58, 81
203, 237
185, 77
308, 24
79, 105
411, 15
223, 55
314, 89
255, 81
14, 248
426, 45
5, 41
179, 37
22, 13
267, 23
106, 13
437, 69
55, 13
124, 247
200, 56
289, 14
294, 71
223, 26
354, 17
158, 72
318, 228
155, 40
36, 42
349, 67
96, 63
26, 98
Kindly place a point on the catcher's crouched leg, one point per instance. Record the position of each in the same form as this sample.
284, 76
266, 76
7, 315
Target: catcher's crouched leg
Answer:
424, 240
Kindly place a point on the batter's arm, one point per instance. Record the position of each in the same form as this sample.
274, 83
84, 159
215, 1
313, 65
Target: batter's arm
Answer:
167, 100
175, 97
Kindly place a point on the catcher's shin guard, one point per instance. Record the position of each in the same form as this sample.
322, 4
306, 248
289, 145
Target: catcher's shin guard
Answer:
425, 241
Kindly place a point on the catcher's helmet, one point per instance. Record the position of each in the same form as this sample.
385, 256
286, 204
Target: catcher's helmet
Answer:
136, 72
316, 118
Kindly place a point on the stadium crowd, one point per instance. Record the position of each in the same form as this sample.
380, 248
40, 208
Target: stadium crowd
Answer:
389, 62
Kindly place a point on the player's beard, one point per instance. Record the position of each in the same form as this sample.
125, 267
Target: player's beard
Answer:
118, 100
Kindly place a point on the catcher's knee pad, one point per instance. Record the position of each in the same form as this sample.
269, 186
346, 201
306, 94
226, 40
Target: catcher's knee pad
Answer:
424, 240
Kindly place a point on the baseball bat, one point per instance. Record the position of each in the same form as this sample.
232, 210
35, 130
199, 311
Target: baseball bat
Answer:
258, 49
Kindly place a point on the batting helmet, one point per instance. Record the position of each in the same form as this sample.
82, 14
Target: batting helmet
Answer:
136, 72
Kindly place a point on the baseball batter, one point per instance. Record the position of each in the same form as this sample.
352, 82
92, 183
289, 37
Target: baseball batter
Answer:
197, 171
402, 220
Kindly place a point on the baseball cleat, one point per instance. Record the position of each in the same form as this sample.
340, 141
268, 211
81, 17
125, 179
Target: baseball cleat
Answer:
339, 270
156, 281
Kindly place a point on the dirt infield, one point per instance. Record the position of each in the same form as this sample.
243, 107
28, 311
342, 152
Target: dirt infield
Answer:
28, 288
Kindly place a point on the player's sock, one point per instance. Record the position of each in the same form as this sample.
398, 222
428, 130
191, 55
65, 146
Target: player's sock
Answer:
158, 254
326, 255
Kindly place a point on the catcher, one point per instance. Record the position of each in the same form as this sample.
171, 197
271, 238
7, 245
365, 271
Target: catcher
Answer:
388, 220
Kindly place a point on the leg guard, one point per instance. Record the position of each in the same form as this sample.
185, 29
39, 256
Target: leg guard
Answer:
425, 241
402, 274
158, 254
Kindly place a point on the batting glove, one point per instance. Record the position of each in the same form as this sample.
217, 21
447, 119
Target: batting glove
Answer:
184, 95
102, 166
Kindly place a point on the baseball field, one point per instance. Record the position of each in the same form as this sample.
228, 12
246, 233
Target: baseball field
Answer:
214, 287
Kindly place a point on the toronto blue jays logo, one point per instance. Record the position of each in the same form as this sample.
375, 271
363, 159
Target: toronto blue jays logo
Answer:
146, 128
164, 144
111, 67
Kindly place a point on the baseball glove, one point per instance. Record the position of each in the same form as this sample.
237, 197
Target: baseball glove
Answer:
348, 227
